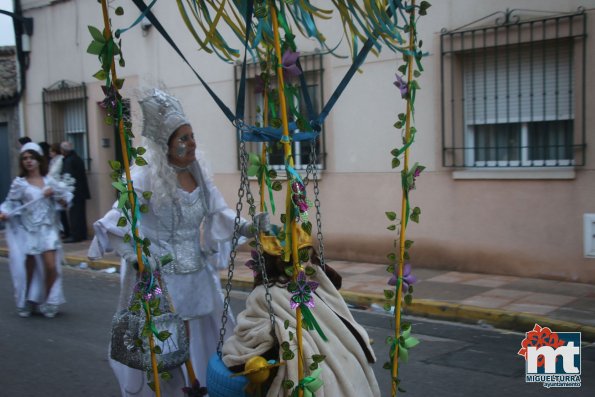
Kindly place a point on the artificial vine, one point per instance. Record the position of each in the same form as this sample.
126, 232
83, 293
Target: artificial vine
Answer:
147, 293
401, 277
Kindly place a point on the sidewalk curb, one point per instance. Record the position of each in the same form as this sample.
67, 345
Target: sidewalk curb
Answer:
517, 321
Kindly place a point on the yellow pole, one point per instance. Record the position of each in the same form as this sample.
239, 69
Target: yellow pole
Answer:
263, 153
108, 34
288, 207
403, 206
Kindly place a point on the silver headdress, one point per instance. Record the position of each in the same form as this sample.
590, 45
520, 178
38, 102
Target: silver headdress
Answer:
162, 116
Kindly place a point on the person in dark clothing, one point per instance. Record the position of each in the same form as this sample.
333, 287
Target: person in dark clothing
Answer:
23, 140
77, 214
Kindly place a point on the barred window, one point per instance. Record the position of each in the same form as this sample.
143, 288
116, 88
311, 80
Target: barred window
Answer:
65, 116
512, 94
302, 151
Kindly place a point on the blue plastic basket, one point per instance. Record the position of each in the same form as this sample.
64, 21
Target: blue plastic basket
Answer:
219, 381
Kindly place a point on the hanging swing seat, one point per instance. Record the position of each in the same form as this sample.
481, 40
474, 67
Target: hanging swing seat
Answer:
221, 382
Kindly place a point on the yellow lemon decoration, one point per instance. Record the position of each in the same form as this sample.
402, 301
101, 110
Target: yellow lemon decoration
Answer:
257, 369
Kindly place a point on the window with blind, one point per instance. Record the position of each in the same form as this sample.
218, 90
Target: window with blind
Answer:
305, 152
65, 116
513, 94
519, 106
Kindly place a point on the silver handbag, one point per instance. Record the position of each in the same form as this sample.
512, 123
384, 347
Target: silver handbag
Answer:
130, 343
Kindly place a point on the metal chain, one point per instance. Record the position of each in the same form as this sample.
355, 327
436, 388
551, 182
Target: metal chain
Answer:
259, 250
313, 169
244, 189
234, 245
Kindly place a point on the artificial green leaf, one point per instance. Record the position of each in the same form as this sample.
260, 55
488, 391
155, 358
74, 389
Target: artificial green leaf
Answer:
395, 162
310, 271
101, 75
277, 186
408, 299
119, 83
286, 325
147, 195
392, 256
392, 227
144, 208
288, 355
403, 355
387, 307
141, 150
122, 222
163, 335
96, 34
115, 165
119, 11
389, 294
411, 342
285, 346
122, 200
288, 384
313, 366
127, 238
408, 243
303, 255
166, 375
157, 349
95, 48
307, 227
391, 215
318, 358
140, 161
253, 170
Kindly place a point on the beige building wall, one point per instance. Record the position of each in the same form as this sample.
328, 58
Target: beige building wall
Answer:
506, 222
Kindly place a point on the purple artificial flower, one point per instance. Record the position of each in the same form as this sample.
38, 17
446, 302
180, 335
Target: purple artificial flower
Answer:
111, 97
258, 85
252, 263
288, 61
401, 85
408, 278
302, 291
299, 198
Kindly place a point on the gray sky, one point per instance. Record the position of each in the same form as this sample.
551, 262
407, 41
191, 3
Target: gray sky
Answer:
6, 29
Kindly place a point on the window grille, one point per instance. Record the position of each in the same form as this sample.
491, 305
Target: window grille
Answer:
65, 116
302, 151
513, 93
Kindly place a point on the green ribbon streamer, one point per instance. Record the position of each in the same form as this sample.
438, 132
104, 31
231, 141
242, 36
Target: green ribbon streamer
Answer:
264, 171
311, 322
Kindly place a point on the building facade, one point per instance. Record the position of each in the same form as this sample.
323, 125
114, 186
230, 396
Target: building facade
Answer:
503, 119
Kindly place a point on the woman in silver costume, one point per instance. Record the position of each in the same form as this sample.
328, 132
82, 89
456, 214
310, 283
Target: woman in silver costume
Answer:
188, 219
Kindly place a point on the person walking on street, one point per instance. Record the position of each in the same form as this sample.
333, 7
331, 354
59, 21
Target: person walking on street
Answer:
33, 233
73, 165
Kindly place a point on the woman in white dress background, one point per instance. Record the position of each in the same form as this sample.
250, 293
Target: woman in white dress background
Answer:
187, 218
33, 233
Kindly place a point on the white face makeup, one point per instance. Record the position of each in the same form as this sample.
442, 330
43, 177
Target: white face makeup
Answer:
182, 146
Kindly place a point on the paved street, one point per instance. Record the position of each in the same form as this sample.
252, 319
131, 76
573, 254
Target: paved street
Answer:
67, 356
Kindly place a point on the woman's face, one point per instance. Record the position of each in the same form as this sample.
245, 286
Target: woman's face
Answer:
29, 161
182, 147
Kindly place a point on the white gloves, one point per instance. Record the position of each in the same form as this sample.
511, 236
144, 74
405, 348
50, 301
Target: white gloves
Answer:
261, 223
